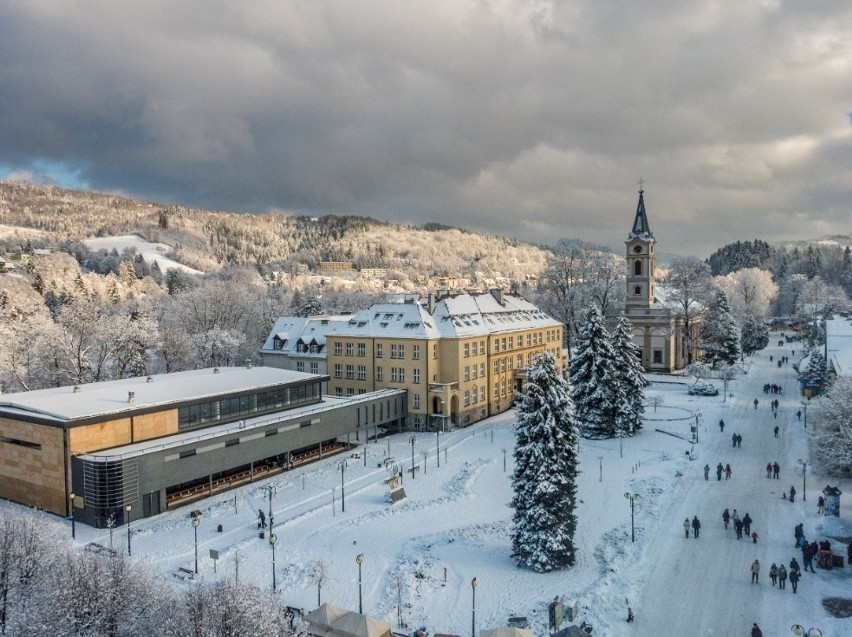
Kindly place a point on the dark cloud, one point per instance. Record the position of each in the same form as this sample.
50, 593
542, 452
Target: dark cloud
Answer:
528, 118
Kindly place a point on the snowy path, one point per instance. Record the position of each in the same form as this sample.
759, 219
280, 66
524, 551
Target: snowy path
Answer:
702, 587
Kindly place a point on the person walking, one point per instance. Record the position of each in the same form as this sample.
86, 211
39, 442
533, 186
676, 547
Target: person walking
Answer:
775, 470
794, 580
726, 517
776, 427
707, 472
768, 469
721, 425
848, 553
794, 565
773, 574
799, 415
739, 440
821, 505
755, 631
734, 439
261, 524
755, 572
738, 527
782, 577
792, 493
747, 523
755, 403
754, 537
696, 527
727, 472
719, 470
686, 528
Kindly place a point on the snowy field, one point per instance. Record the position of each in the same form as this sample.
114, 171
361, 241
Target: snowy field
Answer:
421, 554
150, 251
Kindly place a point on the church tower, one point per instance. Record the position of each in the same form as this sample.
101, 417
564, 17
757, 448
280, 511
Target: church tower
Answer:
640, 262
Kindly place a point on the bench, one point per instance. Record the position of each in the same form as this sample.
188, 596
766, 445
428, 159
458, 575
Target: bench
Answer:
184, 573
100, 549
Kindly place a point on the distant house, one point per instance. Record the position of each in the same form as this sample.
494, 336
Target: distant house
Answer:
335, 266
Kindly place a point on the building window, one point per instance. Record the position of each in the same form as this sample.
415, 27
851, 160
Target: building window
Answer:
520, 360
380, 375
314, 368
473, 373
435, 351
338, 391
349, 348
637, 267
416, 373
338, 370
496, 389
529, 340
637, 290
511, 342
362, 391
503, 386
350, 391
415, 352
482, 393
338, 348
466, 350
379, 350
350, 372
466, 398
401, 350
474, 394
482, 347
300, 366
658, 356
362, 349
466, 373
416, 399
482, 370
496, 344
495, 366
362, 372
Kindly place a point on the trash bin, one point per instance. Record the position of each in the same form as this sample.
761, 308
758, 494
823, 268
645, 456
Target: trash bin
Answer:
261, 534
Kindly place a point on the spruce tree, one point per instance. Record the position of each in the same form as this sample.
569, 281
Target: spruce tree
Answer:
721, 335
817, 371
632, 379
754, 335
545, 476
594, 379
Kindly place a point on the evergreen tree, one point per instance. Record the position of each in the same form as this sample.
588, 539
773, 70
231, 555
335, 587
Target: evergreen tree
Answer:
754, 335
628, 364
310, 307
720, 338
846, 271
546, 468
817, 371
594, 379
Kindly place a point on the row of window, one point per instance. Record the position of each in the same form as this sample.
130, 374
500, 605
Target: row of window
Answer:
229, 408
397, 374
397, 350
300, 367
475, 395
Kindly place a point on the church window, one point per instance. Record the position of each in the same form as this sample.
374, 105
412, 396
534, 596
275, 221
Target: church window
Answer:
637, 267
637, 290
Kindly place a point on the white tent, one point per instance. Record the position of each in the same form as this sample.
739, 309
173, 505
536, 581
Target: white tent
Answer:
331, 621
506, 631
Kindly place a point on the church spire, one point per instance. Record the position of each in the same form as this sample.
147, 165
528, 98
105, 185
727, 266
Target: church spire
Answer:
641, 229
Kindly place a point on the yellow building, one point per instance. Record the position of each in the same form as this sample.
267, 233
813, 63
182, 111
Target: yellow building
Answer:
461, 357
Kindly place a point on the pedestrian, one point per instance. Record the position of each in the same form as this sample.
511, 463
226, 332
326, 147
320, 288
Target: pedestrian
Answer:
770, 358
719, 470
734, 439
738, 527
754, 537
775, 415
782, 577
747, 523
721, 425
629, 614
686, 528
849, 553
755, 572
775, 470
799, 415
739, 440
707, 472
768, 469
794, 565
727, 472
799, 533
773, 574
792, 493
755, 403
776, 427
794, 580
261, 519
726, 517
696, 526
808, 556
755, 631
821, 504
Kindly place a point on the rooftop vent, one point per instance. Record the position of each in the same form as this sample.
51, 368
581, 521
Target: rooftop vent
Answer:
76, 389
131, 397
150, 379
215, 370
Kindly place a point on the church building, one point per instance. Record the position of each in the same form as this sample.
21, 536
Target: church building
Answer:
658, 330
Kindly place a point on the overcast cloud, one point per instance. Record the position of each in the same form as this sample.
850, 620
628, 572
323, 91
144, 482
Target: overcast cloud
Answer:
533, 119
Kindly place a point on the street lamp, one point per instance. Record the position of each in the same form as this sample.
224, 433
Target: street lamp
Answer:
805, 407
71, 497
342, 467
359, 559
473, 613
804, 464
127, 509
438, 446
195, 522
270, 490
632, 497
272, 539
799, 631
412, 440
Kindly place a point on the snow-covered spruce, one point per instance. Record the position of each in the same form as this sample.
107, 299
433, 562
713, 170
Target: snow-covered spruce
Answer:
631, 376
545, 476
720, 337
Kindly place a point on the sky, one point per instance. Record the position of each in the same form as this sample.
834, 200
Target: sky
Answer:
528, 118
454, 524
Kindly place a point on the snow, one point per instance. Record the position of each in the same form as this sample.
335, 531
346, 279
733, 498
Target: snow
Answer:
150, 251
454, 526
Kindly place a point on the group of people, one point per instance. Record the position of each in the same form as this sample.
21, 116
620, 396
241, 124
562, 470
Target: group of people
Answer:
770, 388
742, 526
772, 470
719, 471
779, 575
695, 525
737, 440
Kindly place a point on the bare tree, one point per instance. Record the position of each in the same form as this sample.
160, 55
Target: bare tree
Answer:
690, 285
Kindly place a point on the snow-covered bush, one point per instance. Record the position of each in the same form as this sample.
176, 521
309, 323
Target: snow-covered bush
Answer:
700, 388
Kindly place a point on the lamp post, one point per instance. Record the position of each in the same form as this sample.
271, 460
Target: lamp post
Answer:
438, 446
799, 631
473, 612
342, 467
359, 559
127, 509
195, 522
412, 440
71, 497
632, 497
272, 539
804, 464
425, 457
504, 459
805, 408
270, 490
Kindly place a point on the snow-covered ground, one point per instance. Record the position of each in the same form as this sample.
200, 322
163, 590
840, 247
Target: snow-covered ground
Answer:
150, 251
421, 554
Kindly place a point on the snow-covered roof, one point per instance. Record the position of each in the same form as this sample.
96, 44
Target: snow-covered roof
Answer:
292, 330
838, 345
112, 397
454, 316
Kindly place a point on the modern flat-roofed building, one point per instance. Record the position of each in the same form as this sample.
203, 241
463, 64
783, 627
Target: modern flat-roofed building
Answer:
159, 442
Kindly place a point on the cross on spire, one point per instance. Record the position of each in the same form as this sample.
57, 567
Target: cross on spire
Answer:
641, 183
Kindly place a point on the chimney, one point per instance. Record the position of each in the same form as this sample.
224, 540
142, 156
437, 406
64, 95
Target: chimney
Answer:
430, 303
131, 397
497, 293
